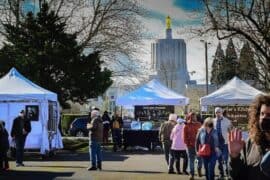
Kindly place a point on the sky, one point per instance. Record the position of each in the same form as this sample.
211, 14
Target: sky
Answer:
185, 15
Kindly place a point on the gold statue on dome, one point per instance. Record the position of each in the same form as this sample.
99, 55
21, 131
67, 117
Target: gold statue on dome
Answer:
168, 22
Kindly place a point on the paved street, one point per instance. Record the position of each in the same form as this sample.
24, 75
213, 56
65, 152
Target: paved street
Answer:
67, 165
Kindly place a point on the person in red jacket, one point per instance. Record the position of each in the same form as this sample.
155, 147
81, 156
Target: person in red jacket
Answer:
189, 135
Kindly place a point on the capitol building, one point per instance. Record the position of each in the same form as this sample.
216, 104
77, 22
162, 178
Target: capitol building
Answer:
168, 59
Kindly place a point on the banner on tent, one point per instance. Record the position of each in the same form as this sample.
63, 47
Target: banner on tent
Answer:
153, 112
239, 114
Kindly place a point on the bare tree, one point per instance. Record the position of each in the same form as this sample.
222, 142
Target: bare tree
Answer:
247, 20
167, 71
111, 27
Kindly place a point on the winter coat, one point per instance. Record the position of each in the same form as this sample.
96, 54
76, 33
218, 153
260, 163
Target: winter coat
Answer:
96, 130
177, 137
226, 125
18, 125
190, 133
165, 131
4, 143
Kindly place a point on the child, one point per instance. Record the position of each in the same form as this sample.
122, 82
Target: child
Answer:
4, 146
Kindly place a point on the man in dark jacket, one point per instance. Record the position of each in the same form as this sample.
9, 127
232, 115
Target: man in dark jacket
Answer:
20, 129
95, 139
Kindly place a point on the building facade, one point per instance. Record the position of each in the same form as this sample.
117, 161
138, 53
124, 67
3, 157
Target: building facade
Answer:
168, 59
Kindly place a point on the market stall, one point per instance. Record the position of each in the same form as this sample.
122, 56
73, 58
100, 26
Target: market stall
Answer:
42, 109
235, 96
150, 97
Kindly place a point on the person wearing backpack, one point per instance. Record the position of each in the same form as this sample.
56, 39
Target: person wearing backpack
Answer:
116, 126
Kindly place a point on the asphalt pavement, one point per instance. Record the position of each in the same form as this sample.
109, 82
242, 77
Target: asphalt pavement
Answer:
135, 164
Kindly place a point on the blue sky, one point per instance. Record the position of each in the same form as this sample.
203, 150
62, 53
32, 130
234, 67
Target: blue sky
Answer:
185, 14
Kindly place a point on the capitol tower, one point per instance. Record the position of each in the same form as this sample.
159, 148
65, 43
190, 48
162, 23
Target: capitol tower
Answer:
168, 59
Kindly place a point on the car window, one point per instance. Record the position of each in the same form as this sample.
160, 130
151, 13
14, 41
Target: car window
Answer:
80, 121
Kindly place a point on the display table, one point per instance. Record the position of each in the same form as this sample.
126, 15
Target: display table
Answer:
144, 138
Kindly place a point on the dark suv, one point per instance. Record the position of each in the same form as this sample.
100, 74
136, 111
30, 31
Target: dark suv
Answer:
78, 127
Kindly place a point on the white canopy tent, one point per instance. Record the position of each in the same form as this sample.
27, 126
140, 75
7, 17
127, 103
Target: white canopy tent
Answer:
234, 92
152, 93
17, 92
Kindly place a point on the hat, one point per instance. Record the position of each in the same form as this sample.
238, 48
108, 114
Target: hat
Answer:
94, 113
172, 117
180, 120
218, 109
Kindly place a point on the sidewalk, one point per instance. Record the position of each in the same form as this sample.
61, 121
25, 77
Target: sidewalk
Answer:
134, 165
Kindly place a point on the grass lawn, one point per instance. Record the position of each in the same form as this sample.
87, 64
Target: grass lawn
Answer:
80, 145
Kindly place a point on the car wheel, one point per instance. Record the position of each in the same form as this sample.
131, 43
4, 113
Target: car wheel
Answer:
79, 134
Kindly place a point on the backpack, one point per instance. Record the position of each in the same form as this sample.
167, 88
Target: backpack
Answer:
116, 124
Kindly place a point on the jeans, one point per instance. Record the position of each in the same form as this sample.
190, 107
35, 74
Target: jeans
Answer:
167, 148
209, 165
175, 157
191, 158
20, 142
223, 159
95, 152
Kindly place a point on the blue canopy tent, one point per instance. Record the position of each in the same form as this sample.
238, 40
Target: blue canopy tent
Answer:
152, 93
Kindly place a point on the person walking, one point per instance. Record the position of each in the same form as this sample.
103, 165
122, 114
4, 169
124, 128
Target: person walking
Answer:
95, 139
164, 135
178, 148
189, 135
106, 126
207, 136
20, 129
222, 125
251, 159
4, 146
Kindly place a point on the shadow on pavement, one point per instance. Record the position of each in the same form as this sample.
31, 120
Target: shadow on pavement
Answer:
73, 156
33, 175
128, 171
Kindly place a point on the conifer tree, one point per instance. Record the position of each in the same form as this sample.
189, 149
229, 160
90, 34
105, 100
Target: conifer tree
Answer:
231, 64
217, 65
247, 65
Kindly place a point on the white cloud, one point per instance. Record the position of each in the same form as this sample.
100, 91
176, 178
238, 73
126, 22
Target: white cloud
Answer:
166, 8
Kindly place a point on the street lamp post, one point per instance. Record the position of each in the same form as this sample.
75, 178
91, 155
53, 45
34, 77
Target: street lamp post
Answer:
206, 64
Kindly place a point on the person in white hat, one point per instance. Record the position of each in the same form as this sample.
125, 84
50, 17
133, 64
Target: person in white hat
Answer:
223, 125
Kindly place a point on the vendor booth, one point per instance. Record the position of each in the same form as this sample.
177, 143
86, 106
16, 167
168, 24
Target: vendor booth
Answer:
152, 93
148, 99
235, 96
41, 106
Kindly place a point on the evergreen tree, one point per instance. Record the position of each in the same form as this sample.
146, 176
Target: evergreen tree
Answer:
230, 65
247, 65
217, 65
41, 50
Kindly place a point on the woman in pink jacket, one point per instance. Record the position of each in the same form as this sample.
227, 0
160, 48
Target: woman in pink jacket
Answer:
178, 148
